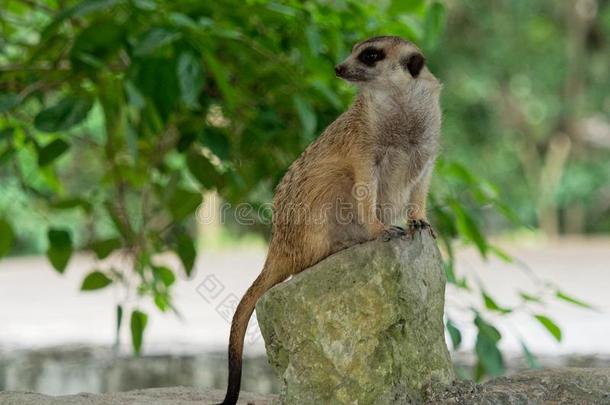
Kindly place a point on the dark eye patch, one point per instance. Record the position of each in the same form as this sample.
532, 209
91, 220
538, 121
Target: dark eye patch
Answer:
413, 63
369, 56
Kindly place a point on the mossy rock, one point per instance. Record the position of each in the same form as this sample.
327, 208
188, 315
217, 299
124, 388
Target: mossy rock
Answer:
364, 326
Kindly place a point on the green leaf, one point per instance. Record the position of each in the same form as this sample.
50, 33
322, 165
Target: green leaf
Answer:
156, 79
187, 253
138, 324
433, 24
329, 94
486, 348
147, 5
190, 78
398, 7
103, 248
489, 356
7, 236
487, 329
119, 322
81, 9
6, 133
60, 248
462, 373
491, 304
550, 326
529, 357
134, 96
95, 281
183, 203
155, 39
468, 227
183, 21
306, 115
69, 203
64, 115
510, 214
162, 301
479, 371
97, 43
48, 153
86, 7
449, 272
528, 297
8, 101
216, 140
186, 140
314, 40
120, 222
501, 254
7, 153
459, 172
455, 334
286, 11
204, 171
572, 300
445, 222
165, 275
221, 78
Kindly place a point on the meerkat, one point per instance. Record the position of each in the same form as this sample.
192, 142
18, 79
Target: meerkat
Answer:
367, 174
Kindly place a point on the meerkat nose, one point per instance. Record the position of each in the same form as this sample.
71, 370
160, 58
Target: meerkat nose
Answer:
339, 70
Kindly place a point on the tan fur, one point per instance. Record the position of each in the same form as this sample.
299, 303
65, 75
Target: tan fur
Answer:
369, 169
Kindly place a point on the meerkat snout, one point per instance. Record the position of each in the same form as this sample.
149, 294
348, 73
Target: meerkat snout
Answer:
340, 70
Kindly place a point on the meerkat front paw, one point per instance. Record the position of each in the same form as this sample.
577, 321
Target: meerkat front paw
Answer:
417, 225
393, 232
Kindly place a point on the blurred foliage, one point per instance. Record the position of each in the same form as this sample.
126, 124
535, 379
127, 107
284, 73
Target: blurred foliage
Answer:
117, 114
527, 102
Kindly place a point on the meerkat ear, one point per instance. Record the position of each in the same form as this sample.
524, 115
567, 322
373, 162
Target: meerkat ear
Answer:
413, 63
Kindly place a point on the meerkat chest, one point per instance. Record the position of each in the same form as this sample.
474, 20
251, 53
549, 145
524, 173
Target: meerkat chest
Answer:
396, 166
406, 144
392, 172
398, 171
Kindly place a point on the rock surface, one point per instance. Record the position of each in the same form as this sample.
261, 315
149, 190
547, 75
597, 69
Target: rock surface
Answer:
151, 396
568, 386
582, 386
363, 326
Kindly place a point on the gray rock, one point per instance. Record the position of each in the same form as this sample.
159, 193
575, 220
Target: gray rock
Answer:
363, 326
568, 386
152, 396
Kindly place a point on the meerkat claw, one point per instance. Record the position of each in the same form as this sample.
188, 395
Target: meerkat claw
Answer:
393, 232
415, 225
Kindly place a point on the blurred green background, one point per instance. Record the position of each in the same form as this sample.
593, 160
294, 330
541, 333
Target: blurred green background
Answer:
116, 116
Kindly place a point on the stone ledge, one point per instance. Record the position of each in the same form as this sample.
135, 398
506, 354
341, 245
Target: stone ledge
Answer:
570, 386
151, 396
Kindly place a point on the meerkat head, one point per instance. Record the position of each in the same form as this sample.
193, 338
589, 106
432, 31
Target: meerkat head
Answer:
385, 61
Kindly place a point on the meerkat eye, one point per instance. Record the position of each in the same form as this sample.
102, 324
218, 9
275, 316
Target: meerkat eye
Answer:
371, 55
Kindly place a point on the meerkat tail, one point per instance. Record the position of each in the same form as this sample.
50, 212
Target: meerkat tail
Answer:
263, 282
